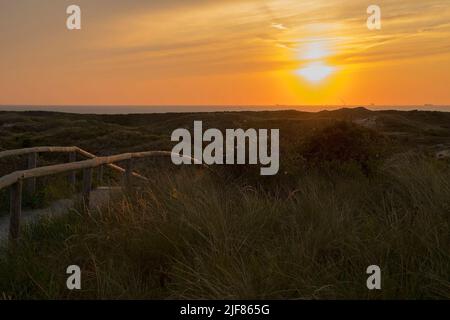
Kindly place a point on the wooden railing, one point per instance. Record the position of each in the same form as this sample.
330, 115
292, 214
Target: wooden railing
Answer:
72, 151
15, 180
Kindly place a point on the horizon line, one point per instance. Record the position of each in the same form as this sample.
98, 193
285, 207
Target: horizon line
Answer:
160, 109
227, 105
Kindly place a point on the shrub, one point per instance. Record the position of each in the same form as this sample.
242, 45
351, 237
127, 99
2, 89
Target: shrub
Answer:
345, 142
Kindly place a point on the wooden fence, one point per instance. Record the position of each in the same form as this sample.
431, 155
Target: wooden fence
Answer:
15, 180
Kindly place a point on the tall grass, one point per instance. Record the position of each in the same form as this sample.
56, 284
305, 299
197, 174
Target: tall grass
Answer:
190, 235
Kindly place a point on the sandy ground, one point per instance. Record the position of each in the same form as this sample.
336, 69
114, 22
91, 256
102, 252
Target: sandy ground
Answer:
99, 197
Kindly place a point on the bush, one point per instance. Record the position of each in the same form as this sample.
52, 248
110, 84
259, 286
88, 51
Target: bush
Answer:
345, 142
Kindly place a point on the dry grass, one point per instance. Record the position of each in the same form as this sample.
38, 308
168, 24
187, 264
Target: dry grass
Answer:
193, 236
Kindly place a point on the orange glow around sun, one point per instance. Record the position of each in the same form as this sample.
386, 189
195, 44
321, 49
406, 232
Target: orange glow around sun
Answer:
253, 52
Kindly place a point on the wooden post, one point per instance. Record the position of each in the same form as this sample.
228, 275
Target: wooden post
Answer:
100, 175
87, 186
72, 175
15, 210
128, 181
32, 163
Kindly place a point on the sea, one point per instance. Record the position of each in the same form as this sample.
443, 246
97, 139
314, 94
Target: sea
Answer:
119, 109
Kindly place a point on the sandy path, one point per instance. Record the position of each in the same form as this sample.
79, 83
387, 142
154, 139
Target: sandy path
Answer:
99, 197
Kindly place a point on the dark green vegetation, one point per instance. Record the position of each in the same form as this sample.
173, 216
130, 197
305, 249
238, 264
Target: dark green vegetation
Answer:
355, 188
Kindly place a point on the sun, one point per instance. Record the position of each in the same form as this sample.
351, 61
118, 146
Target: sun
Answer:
313, 54
315, 50
316, 72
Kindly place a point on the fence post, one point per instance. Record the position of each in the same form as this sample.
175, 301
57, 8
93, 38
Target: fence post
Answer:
72, 175
128, 181
32, 163
15, 210
100, 175
87, 186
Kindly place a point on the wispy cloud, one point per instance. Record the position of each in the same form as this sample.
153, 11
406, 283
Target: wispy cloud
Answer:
278, 26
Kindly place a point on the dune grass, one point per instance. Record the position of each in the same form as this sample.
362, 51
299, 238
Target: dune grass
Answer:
190, 235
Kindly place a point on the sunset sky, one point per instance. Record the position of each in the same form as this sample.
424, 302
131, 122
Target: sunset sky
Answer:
224, 52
